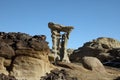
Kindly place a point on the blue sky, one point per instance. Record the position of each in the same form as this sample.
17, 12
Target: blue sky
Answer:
91, 18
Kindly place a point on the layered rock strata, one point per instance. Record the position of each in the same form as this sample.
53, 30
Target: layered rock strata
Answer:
105, 49
24, 56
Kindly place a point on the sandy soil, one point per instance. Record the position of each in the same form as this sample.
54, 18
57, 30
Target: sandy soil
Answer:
77, 70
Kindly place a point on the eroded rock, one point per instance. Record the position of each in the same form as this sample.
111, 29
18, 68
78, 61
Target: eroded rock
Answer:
5, 77
29, 68
101, 48
2, 67
58, 75
59, 47
92, 63
24, 56
6, 50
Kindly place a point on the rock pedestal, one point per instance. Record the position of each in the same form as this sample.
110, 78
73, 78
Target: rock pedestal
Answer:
60, 47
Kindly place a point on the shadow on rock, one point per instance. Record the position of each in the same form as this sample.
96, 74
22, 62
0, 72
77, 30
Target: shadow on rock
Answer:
58, 75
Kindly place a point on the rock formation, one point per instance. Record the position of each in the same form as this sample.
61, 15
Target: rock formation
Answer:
59, 47
5, 77
102, 48
90, 71
94, 64
24, 56
58, 75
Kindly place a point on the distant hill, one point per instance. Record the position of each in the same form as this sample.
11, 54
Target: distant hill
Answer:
102, 48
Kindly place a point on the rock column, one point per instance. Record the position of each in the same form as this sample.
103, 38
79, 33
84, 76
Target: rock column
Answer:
55, 40
59, 48
65, 57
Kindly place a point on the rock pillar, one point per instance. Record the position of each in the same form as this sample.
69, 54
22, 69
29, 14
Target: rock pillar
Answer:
64, 57
60, 52
55, 41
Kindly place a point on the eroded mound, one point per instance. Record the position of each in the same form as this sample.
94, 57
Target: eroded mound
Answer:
105, 49
24, 56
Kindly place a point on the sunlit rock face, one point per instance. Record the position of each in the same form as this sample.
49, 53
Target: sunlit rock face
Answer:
24, 56
94, 64
101, 48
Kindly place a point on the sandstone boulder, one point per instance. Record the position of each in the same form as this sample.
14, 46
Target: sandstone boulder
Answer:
29, 68
92, 63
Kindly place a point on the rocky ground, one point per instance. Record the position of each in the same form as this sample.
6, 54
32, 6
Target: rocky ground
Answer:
78, 71
5, 77
25, 57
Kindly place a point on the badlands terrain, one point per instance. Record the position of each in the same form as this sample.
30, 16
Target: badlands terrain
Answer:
25, 57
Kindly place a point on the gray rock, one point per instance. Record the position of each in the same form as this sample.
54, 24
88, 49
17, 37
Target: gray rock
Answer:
6, 51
